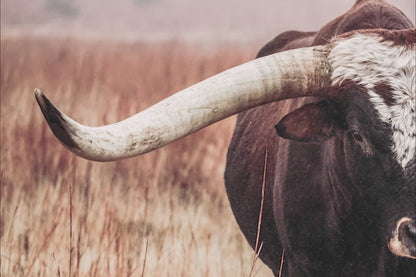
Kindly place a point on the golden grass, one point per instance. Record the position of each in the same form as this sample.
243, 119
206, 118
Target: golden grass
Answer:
161, 214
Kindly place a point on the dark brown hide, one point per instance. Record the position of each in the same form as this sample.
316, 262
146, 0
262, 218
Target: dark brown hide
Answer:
254, 135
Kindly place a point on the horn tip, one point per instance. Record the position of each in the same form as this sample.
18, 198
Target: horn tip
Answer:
48, 109
56, 120
38, 92
42, 100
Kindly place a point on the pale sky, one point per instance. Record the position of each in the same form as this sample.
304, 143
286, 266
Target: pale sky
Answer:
200, 20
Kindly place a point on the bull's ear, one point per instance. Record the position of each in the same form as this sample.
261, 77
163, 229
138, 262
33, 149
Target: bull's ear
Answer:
315, 122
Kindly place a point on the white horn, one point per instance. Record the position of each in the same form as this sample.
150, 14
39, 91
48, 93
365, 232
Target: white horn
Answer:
295, 73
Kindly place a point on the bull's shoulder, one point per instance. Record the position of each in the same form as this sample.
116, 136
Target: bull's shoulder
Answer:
286, 41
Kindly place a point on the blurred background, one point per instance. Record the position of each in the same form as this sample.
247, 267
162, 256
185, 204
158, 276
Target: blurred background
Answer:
200, 20
165, 213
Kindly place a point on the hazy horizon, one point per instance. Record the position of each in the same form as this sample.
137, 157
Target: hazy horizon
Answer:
194, 20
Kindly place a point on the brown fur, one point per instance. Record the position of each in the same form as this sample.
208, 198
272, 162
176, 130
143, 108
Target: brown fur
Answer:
254, 134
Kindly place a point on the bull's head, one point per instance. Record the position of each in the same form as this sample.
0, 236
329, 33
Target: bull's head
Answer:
377, 66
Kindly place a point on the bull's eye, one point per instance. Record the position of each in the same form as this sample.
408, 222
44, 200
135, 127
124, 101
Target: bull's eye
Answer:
363, 143
357, 136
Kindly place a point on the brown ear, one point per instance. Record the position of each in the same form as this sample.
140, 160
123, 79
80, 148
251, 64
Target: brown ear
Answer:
315, 122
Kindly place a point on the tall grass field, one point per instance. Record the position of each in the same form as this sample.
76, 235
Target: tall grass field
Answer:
161, 214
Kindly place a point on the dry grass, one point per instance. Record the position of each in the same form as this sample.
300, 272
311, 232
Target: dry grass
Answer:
161, 214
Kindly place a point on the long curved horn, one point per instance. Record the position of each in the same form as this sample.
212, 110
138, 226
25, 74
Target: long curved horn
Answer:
295, 73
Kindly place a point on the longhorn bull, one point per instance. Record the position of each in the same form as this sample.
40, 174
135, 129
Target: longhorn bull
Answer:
340, 182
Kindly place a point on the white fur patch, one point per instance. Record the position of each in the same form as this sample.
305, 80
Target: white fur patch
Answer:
366, 60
